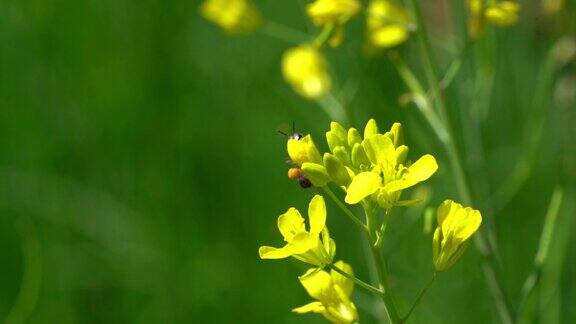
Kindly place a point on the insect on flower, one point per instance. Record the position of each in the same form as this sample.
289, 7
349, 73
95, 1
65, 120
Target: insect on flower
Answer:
295, 172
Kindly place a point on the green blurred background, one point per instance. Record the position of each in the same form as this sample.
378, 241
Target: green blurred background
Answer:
140, 167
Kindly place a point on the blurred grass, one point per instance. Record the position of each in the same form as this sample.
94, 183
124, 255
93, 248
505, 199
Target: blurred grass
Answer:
140, 167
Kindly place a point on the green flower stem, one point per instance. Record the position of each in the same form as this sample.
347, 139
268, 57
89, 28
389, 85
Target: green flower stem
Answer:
382, 272
283, 33
324, 35
30, 287
442, 129
382, 230
333, 108
430, 66
420, 295
360, 283
383, 278
543, 248
345, 209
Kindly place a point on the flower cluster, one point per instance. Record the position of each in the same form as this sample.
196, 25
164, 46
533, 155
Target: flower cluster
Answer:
305, 67
372, 170
332, 291
500, 14
314, 246
387, 25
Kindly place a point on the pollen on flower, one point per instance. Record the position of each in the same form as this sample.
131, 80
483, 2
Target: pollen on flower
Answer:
294, 173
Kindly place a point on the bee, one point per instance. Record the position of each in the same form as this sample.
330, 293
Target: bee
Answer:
295, 172
294, 134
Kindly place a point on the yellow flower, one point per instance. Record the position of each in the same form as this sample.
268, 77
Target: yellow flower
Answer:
233, 16
456, 225
305, 69
314, 246
387, 24
388, 172
302, 149
501, 14
332, 290
332, 12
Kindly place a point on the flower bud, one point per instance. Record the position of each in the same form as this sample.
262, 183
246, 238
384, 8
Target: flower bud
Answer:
336, 170
456, 225
371, 129
316, 173
336, 136
303, 150
353, 137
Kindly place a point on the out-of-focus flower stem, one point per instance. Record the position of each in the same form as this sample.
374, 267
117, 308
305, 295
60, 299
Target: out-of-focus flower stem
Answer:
359, 282
284, 33
345, 209
420, 295
443, 130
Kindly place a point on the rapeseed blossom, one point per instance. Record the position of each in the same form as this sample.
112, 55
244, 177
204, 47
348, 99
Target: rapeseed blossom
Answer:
313, 246
332, 15
332, 12
387, 24
306, 70
501, 14
456, 225
233, 16
374, 166
332, 292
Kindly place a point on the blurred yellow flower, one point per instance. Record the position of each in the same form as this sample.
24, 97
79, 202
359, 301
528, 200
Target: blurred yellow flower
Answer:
302, 149
332, 290
387, 24
305, 69
332, 12
314, 246
501, 14
233, 16
456, 225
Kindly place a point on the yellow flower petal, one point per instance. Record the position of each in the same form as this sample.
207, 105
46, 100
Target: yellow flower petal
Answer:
324, 12
303, 242
503, 14
318, 284
306, 70
380, 150
303, 150
389, 36
233, 16
363, 185
370, 129
421, 170
290, 224
317, 214
344, 283
456, 224
269, 252
461, 223
313, 307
